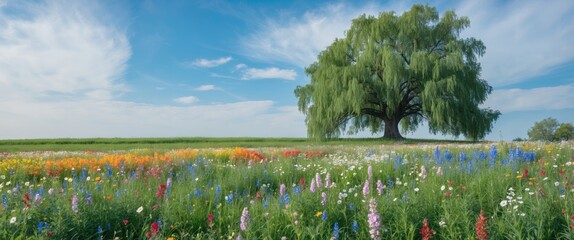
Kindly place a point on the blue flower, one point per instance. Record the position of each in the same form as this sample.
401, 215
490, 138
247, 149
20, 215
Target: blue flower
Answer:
324, 215
355, 226
336, 231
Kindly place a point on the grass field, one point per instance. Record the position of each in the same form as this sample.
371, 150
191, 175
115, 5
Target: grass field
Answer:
346, 189
106, 144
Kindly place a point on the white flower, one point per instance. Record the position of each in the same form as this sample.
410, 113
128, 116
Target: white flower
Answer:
8, 183
442, 223
556, 184
503, 203
140, 209
442, 188
416, 189
88, 178
27, 184
12, 220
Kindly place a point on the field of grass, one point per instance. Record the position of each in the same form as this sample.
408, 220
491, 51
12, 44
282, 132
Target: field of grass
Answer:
365, 191
161, 144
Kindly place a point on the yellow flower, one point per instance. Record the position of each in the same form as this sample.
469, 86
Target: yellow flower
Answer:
170, 238
318, 214
70, 180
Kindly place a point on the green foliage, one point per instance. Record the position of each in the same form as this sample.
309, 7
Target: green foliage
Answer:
564, 132
550, 130
390, 69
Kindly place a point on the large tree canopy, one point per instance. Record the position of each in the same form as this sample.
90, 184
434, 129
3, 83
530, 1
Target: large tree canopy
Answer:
392, 69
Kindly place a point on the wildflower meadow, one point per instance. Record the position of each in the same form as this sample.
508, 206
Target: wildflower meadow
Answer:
453, 191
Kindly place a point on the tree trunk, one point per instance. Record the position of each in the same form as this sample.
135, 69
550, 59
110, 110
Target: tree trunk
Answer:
392, 129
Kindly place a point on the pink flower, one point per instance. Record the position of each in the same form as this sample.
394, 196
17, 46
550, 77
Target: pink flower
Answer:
374, 220
328, 181
318, 180
313, 185
423, 173
245, 220
323, 199
282, 189
366, 189
75, 203
380, 187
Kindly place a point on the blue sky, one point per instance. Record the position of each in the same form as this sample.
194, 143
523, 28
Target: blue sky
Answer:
228, 68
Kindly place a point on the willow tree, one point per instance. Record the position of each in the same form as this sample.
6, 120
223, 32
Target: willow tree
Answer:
391, 70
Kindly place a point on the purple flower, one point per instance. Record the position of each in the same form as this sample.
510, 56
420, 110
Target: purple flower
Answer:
75, 203
37, 198
328, 181
323, 199
423, 173
318, 180
245, 220
313, 185
366, 188
374, 220
282, 189
380, 187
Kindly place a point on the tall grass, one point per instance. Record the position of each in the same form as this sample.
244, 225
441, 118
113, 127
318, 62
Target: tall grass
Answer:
204, 197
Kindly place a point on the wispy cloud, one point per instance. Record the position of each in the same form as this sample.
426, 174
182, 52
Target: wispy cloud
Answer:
545, 98
206, 88
62, 48
269, 73
297, 39
205, 63
186, 100
523, 39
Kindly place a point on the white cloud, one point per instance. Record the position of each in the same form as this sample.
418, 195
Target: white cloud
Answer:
205, 63
206, 88
186, 100
299, 39
544, 98
127, 119
60, 47
269, 73
240, 66
523, 39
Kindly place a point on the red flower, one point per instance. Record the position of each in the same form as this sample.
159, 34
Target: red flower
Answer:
525, 173
543, 173
125, 221
209, 219
426, 232
27, 199
160, 191
302, 183
481, 232
154, 230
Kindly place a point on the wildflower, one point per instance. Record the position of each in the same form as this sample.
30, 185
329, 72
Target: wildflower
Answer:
154, 230
328, 183
324, 215
336, 231
442, 223
244, 219
370, 173
239, 237
209, 219
380, 187
355, 226
313, 185
366, 188
323, 199
374, 220
439, 171
160, 191
302, 183
423, 173
503, 203
481, 232
140, 209
318, 214
12, 220
282, 189
426, 232
37, 197
525, 173
75, 203
27, 199
318, 180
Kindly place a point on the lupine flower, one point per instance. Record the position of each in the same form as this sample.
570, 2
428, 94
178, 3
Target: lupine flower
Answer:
366, 189
439, 171
328, 183
355, 226
423, 173
374, 220
239, 237
282, 189
380, 187
481, 232
426, 232
318, 180
38, 197
245, 220
336, 231
75, 203
323, 199
313, 185
324, 215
